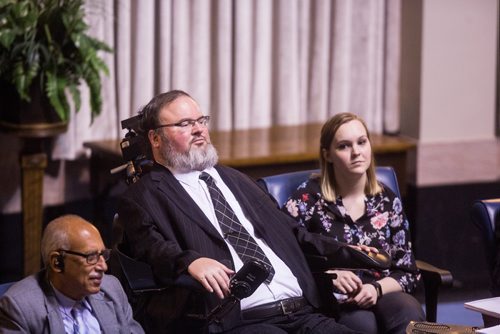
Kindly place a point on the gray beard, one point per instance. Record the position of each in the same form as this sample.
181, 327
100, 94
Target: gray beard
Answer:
195, 159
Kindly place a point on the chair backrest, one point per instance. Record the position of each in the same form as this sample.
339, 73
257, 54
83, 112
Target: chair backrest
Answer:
281, 186
4, 287
485, 216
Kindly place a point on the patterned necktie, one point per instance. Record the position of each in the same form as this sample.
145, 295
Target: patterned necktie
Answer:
243, 243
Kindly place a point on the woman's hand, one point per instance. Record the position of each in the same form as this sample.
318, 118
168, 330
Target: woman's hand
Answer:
346, 282
364, 248
366, 297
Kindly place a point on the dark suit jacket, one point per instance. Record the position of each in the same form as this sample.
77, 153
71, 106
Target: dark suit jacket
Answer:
164, 227
30, 306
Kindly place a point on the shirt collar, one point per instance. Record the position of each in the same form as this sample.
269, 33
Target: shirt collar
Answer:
64, 301
192, 179
68, 303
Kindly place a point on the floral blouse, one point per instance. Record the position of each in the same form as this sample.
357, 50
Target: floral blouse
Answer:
383, 225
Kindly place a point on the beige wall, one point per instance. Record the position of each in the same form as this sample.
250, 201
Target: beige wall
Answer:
456, 89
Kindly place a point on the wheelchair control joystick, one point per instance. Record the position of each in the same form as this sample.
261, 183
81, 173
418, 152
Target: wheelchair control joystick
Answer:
243, 284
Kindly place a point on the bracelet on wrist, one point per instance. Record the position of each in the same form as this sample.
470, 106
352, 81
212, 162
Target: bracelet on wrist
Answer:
378, 288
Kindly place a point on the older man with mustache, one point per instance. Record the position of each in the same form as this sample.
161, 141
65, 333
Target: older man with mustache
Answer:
72, 294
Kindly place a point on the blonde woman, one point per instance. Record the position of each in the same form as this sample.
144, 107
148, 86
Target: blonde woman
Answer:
347, 203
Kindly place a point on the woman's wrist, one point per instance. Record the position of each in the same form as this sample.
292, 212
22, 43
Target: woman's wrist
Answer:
378, 288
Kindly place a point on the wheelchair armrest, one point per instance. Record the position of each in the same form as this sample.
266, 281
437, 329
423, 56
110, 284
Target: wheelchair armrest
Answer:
187, 281
348, 257
317, 263
140, 278
433, 278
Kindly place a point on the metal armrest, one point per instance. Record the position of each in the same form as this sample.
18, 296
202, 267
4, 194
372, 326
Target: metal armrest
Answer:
433, 278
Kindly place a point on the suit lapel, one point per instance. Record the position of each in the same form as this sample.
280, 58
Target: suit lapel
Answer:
177, 195
54, 315
104, 312
249, 208
54, 318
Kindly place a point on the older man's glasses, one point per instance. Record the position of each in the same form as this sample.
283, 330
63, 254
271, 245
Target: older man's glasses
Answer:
92, 258
186, 123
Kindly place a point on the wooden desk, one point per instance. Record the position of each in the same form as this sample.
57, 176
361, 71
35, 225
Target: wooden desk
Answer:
261, 152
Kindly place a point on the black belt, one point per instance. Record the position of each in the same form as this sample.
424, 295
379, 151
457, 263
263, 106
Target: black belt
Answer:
280, 307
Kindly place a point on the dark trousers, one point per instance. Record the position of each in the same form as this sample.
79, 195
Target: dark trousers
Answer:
392, 314
304, 321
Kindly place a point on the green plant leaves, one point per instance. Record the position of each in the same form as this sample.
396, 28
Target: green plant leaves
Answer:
54, 89
46, 42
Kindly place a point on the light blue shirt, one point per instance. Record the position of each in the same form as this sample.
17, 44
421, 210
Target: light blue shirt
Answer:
90, 323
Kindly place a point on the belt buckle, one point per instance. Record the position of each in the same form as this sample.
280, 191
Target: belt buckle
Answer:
284, 308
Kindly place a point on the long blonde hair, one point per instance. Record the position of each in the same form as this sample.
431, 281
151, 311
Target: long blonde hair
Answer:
327, 174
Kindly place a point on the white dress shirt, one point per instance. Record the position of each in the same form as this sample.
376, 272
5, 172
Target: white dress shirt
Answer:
284, 284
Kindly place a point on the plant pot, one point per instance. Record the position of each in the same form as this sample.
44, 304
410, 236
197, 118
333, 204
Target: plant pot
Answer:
35, 118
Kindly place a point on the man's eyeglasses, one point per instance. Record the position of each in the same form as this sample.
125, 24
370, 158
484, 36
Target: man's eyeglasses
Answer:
92, 258
183, 124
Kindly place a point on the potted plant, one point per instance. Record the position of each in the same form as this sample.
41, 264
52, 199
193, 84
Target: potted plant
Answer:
45, 54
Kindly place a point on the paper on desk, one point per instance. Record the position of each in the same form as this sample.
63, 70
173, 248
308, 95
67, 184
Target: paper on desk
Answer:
489, 330
488, 306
